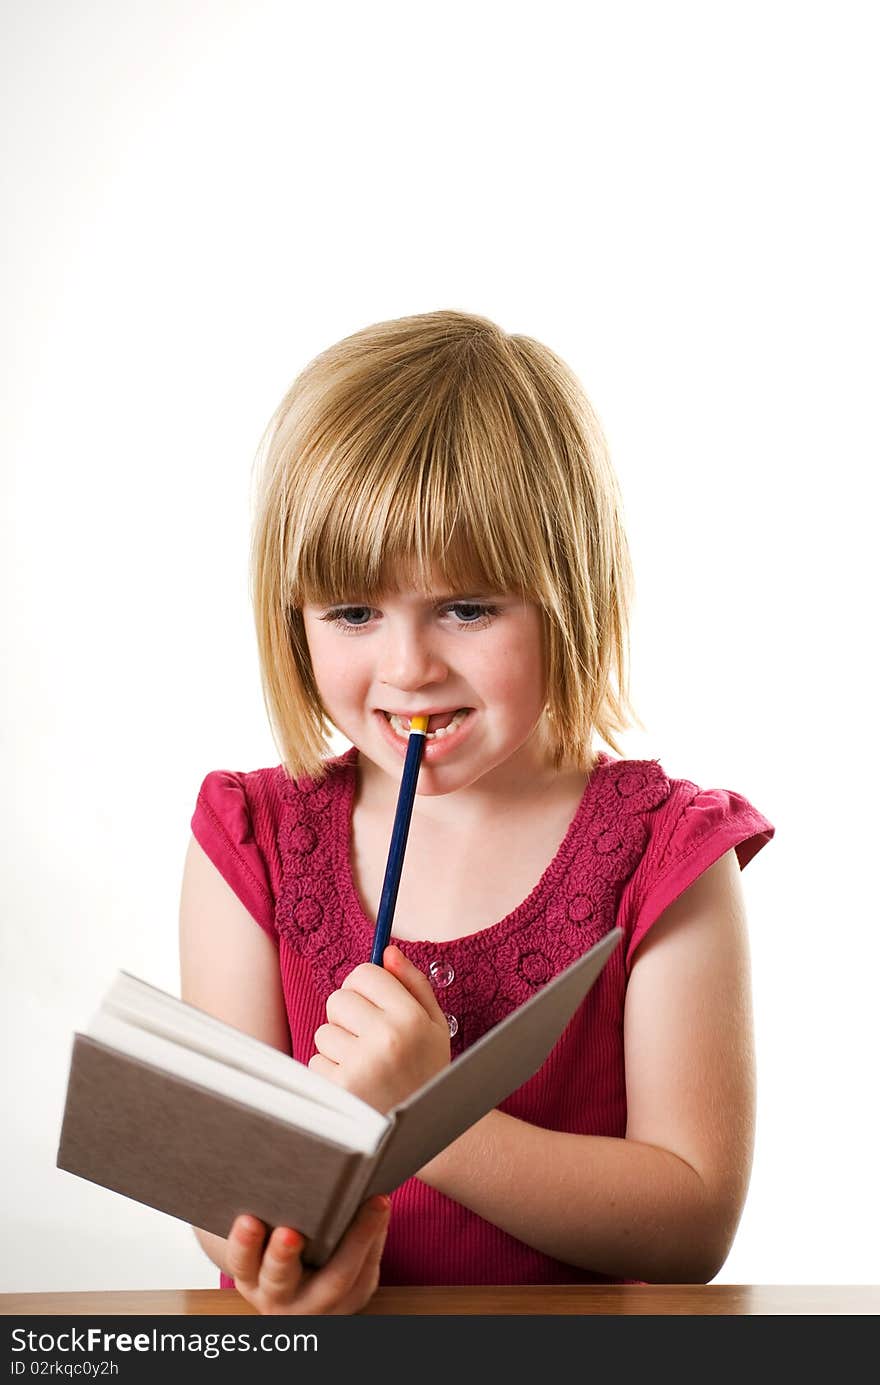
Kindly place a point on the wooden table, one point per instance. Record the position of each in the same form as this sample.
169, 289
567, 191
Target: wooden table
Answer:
575, 1299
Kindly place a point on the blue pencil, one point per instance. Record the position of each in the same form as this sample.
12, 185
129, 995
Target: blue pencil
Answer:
414, 747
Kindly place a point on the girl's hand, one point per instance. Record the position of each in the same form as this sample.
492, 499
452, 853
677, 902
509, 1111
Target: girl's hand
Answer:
271, 1276
386, 1035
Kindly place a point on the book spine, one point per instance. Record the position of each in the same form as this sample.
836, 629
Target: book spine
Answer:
339, 1216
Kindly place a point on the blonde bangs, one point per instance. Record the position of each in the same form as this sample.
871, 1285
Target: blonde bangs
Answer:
438, 504
437, 453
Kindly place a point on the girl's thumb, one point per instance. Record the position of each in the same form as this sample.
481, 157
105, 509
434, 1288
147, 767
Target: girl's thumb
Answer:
409, 975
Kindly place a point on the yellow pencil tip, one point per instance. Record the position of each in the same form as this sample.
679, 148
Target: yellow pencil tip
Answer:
419, 724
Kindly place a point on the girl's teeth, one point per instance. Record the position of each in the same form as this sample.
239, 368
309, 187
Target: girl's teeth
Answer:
403, 730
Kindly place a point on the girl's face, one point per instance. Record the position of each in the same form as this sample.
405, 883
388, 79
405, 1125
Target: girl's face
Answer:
439, 654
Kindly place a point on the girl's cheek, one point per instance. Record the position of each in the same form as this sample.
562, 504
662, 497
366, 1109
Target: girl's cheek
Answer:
333, 670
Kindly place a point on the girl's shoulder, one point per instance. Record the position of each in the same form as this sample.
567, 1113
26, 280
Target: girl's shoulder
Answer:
690, 818
242, 801
239, 818
682, 829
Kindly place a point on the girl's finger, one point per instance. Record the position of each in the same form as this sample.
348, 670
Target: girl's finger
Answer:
281, 1268
372, 985
380, 987
415, 981
351, 1010
335, 1044
318, 1063
330, 1288
244, 1250
367, 1281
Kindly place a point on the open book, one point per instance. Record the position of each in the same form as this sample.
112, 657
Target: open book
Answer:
180, 1111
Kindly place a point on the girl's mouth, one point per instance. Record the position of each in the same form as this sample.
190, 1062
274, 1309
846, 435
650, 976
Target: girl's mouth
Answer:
402, 725
437, 743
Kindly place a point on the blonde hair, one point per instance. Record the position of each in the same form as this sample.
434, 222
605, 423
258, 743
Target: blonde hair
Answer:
438, 447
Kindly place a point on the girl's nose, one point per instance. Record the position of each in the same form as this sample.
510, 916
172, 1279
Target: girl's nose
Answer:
409, 659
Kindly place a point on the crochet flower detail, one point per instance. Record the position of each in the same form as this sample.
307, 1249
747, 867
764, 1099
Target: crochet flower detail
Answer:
307, 902
497, 969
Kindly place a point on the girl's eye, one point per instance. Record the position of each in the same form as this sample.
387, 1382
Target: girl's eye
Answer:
339, 617
483, 616
476, 615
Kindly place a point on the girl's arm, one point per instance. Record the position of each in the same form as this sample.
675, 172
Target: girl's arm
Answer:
663, 1204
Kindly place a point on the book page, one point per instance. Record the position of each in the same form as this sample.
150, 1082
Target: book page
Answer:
134, 1004
240, 1086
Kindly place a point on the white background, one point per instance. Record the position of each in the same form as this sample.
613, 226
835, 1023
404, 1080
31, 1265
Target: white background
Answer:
680, 200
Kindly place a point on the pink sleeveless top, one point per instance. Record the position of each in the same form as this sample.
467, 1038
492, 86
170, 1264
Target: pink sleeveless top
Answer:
637, 840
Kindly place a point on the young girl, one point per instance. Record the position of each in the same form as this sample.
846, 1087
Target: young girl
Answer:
438, 530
